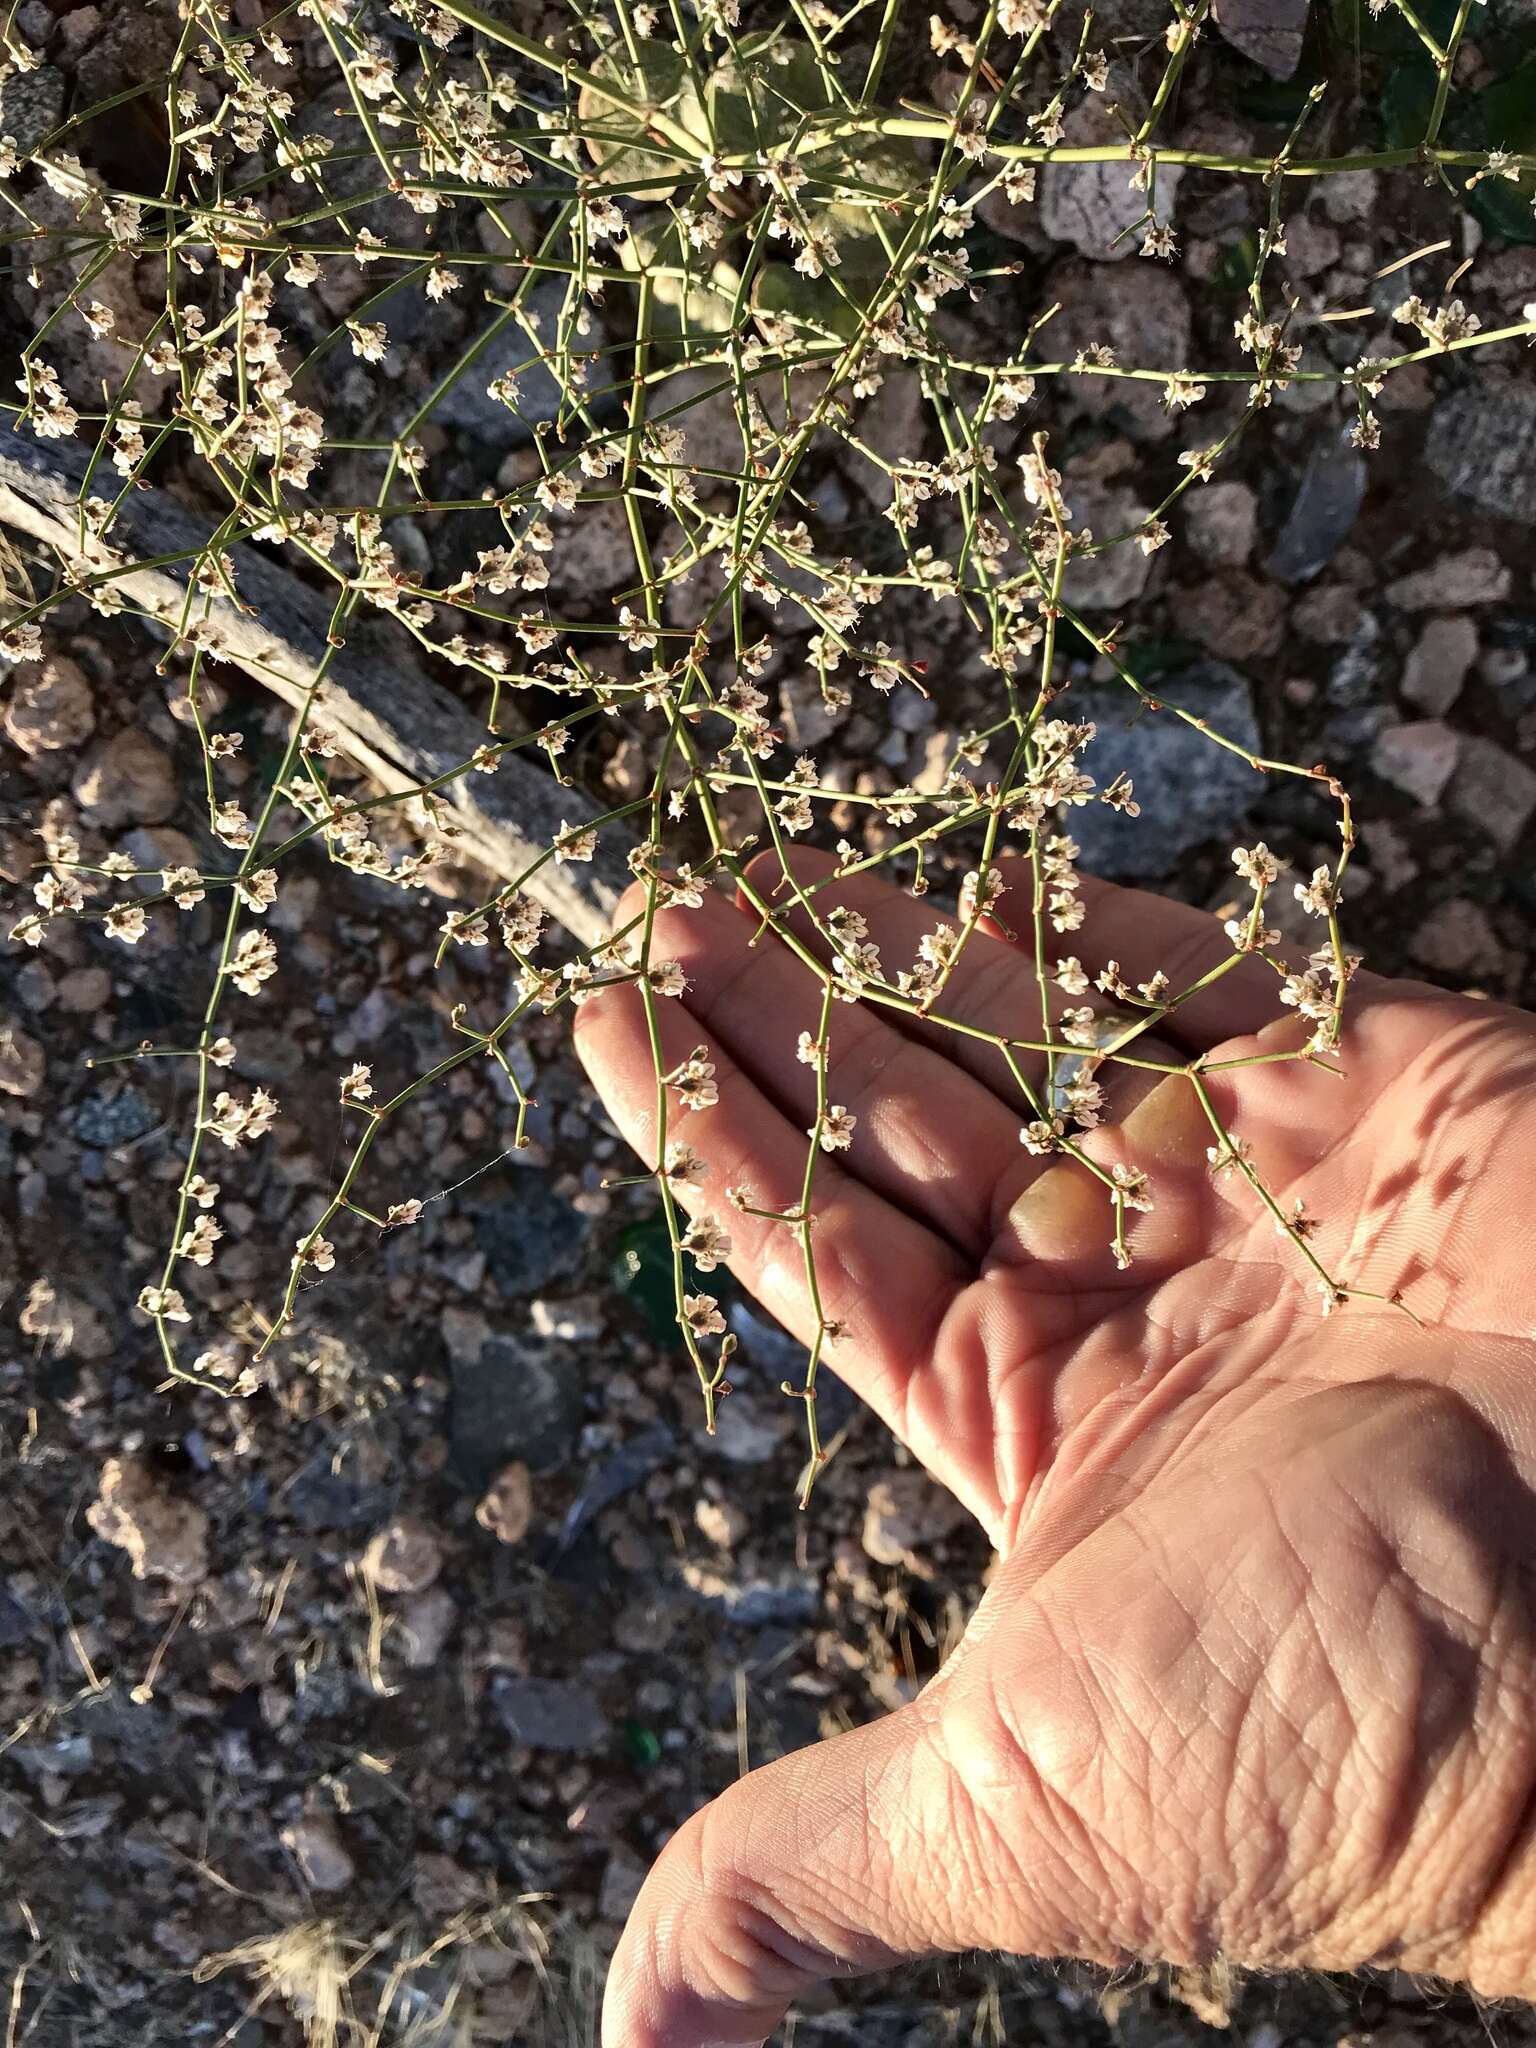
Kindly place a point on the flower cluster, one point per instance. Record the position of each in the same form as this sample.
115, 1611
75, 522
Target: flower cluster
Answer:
687, 276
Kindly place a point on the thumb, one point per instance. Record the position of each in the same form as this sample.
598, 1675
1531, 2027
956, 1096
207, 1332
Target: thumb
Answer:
846, 1857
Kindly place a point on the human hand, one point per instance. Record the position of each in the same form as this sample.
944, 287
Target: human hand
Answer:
1255, 1675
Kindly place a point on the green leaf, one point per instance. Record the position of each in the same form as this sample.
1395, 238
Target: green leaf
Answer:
616, 138
697, 304
642, 1269
1406, 106
832, 304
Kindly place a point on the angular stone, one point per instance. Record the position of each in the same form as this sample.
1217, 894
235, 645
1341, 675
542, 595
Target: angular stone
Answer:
1149, 327
1418, 758
515, 1399
469, 405
1236, 615
1116, 578
165, 1537
1220, 521
906, 1512
780, 1598
1481, 447
31, 104
551, 1713
1492, 790
115, 1116
530, 1234
1471, 576
1457, 939
1325, 506
1190, 790
1094, 206
321, 1853
127, 780
1270, 32
405, 1556
1437, 666
50, 707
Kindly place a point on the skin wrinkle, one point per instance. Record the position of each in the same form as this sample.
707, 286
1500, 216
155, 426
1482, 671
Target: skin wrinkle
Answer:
977, 1737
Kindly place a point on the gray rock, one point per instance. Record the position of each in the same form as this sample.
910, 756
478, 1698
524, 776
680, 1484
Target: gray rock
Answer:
323, 1856
129, 779
1094, 206
514, 1399
1417, 758
1492, 790
1470, 576
529, 1234
333, 1492
904, 1513
1271, 32
469, 405
551, 1713
1149, 326
1116, 578
1437, 665
31, 106
1481, 448
50, 708
16, 1621
321, 1691
115, 1116
1322, 512
593, 549
1457, 939
609, 1481
1220, 521
780, 1598
1189, 789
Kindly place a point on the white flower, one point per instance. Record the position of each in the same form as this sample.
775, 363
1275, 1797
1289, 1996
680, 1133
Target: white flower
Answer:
837, 1128
706, 1243
197, 1243
164, 1304
1071, 976
701, 1312
684, 1164
126, 921
369, 342
183, 885
1256, 864
573, 843
234, 1121
695, 1084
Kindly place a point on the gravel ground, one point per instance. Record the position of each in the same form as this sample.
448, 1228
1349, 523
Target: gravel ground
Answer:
384, 1686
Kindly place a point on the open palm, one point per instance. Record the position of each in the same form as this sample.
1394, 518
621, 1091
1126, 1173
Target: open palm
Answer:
1255, 1675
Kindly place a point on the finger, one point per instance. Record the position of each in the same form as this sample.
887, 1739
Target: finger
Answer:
993, 989
1143, 934
929, 1137
841, 1858
886, 1281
